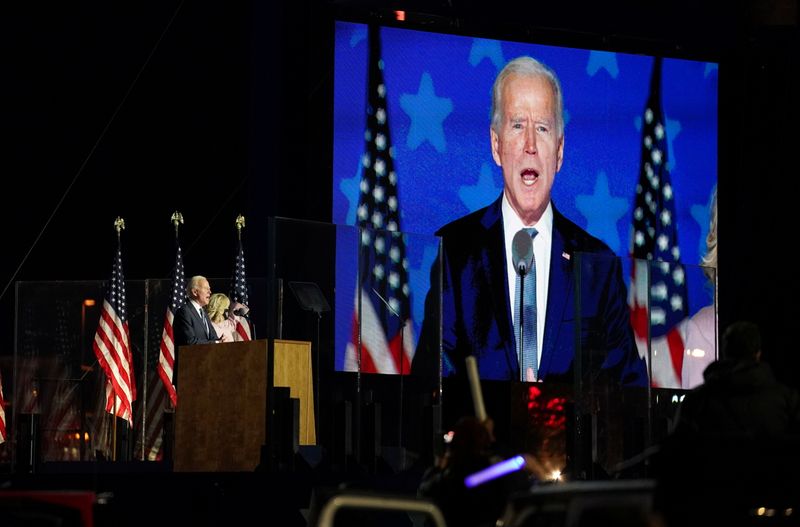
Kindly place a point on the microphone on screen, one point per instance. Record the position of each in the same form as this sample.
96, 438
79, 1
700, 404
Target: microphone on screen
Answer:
522, 252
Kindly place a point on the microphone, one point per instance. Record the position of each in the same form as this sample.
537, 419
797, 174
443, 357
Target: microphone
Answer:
522, 252
241, 312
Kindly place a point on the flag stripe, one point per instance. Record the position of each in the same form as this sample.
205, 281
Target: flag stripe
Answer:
675, 344
112, 349
110, 354
243, 329
378, 355
2, 412
112, 346
166, 358
383, 291
658, 290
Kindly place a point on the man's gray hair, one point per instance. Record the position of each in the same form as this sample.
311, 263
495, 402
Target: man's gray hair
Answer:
527, 67
194, 282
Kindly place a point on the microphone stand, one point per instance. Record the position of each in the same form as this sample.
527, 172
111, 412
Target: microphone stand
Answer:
521, 272
252, 325
522, 254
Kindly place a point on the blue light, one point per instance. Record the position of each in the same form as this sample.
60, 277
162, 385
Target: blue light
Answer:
494, 471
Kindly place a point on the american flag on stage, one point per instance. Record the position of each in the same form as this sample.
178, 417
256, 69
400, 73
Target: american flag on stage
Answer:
61, 416
149, 440
150, 414
654, 245
166, 359
112, 345
26, 372
239, 294
383, 295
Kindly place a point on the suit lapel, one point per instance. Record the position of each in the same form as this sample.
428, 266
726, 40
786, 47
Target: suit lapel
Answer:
559, 291
497, 277
198, 317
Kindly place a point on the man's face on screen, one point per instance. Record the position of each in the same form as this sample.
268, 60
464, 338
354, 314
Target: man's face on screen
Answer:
526, 144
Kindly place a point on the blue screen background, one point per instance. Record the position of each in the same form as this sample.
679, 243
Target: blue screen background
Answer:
439, 98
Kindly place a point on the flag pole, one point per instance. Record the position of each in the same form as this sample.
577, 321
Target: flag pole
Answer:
167, 354
177, 221
145, 376
119, 225
244, 328
239, 226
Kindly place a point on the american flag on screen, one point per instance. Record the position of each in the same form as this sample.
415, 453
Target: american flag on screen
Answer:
166, 359
239, 294
112, 345
655, 248
383, 295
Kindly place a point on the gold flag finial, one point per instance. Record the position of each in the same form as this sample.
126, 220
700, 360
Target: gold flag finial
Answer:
177, 219
239, 224
119, 224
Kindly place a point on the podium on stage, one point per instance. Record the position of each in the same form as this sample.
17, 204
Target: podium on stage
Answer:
220, 421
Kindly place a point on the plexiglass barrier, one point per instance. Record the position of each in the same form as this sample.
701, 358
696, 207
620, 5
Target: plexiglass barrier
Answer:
621, 344
358, 296
644, 333
55, 389
622, 341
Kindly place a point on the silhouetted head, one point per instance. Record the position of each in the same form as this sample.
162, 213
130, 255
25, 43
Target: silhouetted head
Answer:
742, 340
471, 439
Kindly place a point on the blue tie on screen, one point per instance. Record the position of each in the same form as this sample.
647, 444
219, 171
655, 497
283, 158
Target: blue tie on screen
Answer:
529, 357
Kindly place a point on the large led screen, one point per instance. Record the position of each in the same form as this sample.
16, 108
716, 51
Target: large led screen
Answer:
435, 142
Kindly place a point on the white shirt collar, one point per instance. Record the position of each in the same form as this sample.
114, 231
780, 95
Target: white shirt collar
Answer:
512, 222
542, 245
197, 307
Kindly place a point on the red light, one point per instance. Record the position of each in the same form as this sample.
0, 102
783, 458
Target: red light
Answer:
400, 15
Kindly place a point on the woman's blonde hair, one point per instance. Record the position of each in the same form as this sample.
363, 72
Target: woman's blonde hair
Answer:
709, 261
217, 305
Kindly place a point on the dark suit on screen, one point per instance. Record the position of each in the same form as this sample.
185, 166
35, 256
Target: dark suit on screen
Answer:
476, 315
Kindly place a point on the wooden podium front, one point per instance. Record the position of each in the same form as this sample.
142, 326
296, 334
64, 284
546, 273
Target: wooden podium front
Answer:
293, 370
220, 421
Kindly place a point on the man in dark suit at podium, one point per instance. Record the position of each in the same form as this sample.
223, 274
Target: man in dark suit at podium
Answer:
480, 288
192, 325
